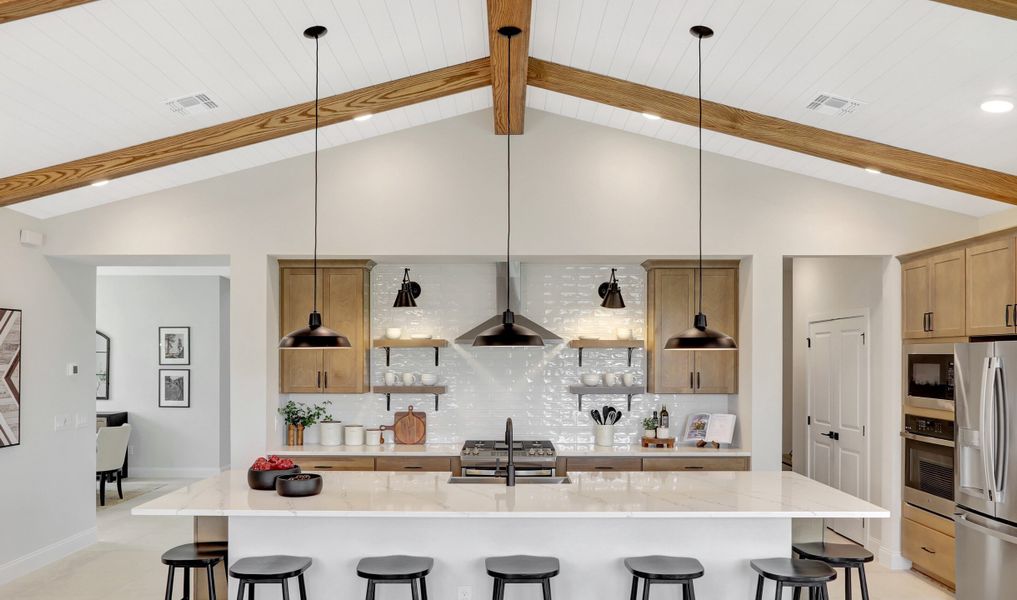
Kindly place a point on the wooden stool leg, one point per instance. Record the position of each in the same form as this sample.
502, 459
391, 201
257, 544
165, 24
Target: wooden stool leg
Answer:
691, 589
169, 584
685, 591
210, 576
285, 589
413, 590
187, 583
759, 588
423, 588
646, 589
862, 582
824, 592
780, 591
635, 587
370, 589
798, 593
102, 490
250, 590
303, 588
546, 587
499, 589
240, 590
120, 487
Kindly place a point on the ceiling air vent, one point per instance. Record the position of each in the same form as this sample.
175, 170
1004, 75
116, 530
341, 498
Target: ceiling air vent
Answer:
830, 104
192, 105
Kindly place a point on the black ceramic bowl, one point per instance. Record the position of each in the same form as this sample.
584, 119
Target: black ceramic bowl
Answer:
290, 487
265, 480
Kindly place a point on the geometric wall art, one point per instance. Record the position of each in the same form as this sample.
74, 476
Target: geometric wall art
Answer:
10, 377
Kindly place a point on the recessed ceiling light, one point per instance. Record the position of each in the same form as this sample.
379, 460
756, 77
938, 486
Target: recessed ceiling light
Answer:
362, 117
100, 183
997, 105
872, 170
651, 116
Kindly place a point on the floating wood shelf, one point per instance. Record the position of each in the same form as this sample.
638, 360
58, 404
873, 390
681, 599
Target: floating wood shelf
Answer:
629, 345
388, 344
607, 390
388, 390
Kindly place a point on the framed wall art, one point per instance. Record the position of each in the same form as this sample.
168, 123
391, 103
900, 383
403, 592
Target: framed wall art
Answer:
10, 377
174, 388
174, 345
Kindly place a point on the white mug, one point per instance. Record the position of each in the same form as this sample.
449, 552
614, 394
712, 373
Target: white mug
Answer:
354, 435
409, 378
394, 333
610, 379
391, 377
623, 333
628, 379
373, 437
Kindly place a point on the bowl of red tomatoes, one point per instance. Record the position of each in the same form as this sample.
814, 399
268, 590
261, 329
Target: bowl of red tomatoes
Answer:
262, 474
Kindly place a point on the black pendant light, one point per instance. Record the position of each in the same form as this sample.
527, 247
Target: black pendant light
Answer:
408, 293
508, 333
700, 337
611, 293
315, 335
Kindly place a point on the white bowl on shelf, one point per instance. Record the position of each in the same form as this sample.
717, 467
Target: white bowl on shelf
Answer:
428, 378
589, 337
420, 336
589, 379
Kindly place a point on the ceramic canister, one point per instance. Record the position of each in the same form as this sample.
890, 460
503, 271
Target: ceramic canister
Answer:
354, 435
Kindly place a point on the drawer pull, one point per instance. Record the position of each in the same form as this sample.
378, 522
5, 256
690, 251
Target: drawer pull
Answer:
323, 467
604, 468
411, 467
929, 551
693, 468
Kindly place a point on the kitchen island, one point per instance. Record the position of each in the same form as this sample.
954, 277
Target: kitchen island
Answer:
722, 518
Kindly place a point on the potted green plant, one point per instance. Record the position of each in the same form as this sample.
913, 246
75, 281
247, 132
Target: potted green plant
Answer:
296, 416
649, 427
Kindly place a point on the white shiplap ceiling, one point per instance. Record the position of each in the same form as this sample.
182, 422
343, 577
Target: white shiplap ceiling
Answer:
89, 79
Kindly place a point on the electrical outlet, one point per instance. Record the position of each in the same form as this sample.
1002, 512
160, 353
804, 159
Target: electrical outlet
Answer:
130, 450
80, 421
465, 593
61, 422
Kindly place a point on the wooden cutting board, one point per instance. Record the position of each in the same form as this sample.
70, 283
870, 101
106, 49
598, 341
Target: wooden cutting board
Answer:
410, 427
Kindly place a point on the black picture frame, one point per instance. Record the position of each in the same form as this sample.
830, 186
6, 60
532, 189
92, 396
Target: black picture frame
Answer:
180, 352
184, 389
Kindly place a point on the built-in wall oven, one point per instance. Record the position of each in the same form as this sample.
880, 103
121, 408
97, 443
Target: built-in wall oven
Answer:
929, 464
930, 376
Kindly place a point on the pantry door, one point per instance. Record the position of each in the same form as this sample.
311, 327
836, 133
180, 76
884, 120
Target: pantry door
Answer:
837, 364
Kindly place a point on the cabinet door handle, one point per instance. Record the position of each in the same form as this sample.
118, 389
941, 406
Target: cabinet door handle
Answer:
699, 380
326, 379
932, 327
319, 379
692, 380
929, 551
1007, 312
925, 321
412, 467
323, 467
694, 468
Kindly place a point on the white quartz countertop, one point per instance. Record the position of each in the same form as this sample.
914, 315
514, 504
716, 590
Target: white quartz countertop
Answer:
566, 450
747, 494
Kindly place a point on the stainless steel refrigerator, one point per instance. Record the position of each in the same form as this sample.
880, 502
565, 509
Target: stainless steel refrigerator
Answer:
986, 470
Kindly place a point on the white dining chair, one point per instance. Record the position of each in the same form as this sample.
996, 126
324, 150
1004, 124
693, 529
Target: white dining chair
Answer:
110, 451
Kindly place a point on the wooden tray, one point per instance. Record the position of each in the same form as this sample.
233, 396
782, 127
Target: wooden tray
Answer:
652, 442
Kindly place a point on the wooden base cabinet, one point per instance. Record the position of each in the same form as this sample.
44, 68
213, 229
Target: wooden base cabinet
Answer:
345, 305
928, 541
672, 296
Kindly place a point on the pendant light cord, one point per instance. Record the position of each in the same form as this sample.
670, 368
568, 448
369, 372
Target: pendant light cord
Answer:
508, 185
317, 41
700, 175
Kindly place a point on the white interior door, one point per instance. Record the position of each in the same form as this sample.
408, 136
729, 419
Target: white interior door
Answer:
838, 404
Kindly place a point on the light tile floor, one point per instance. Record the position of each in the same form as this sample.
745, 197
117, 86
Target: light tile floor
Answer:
125, 564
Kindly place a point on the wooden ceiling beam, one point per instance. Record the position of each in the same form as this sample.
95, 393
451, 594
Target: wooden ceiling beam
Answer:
772, 131
998, 8
502, 13
12, 10
246, 131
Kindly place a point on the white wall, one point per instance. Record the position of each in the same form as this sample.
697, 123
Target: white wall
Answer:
167, 442
829, 286
47, 505
486, 385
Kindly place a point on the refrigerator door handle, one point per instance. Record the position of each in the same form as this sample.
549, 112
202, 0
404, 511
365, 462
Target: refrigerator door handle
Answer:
985, 436
963, 520
1001, 444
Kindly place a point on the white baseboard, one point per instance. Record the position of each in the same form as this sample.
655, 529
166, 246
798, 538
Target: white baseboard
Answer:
47, 554
893, 560
174, 472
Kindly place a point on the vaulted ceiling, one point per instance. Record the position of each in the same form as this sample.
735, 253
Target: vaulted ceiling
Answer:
93, 77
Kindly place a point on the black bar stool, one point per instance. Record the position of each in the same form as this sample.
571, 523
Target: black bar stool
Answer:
396, 569
200, 555
794, 573
846, 556
664, 569
522, 569
255, 570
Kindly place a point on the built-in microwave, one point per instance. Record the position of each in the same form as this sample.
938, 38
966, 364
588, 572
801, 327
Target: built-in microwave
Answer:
930, 376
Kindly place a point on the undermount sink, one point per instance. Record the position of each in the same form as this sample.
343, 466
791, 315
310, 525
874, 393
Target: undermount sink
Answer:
501, 480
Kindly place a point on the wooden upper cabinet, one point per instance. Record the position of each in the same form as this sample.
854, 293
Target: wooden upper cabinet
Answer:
916, 279
671, 306
990, 287
946, 292
717, 371
344, 304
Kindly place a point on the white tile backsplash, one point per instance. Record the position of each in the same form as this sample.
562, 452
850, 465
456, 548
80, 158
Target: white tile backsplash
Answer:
487, 385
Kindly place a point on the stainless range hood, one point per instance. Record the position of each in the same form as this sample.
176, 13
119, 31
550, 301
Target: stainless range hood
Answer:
504, 272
